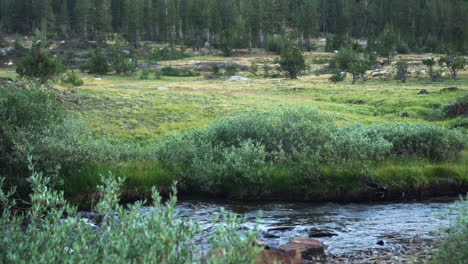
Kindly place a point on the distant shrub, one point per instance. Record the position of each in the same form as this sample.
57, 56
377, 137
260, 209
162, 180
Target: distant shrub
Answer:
73, 79
168, 53
292, 60
96, 63
215, 69
358, 69
343, 59
170, 71
39, 66
158, 74
454, 63
337, 76
122, 60
422, 141
144, 74
401, 73
231, 69
435, 74
276, 43
266, 69
253, 68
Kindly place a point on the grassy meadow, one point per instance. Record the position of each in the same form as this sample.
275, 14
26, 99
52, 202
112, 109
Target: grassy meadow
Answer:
144, 112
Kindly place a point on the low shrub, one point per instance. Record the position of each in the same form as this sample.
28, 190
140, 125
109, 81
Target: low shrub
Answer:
96, 63
38, 65
231, 69
239, 155
73, 79
337, 76
421, 141
276, 43
144, 74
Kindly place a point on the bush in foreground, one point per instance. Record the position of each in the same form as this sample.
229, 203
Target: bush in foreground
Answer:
453, 248
51, 231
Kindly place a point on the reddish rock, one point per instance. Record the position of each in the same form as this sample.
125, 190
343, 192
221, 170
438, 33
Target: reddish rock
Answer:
267, 256
310, 248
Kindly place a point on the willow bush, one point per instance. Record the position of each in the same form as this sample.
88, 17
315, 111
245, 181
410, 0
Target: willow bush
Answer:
51, 231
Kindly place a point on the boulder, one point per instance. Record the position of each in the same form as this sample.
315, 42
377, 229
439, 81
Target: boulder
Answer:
423, 91
267, 256
310, 249
315, 232
238, 78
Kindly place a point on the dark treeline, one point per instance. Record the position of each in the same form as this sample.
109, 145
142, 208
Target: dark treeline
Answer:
429, 25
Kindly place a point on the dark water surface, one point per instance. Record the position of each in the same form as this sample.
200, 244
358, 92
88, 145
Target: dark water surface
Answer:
358, 226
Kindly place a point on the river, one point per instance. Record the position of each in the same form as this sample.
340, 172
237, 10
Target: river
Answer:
358, 227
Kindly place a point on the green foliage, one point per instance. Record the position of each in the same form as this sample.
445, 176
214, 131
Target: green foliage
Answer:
388, 43
215, 69
434, 74
237, 156
358, 69
430, 142
231, 69
122, 60
292, 61
276, 43
454, 63
168, 53
337, 76
97, 63
253, 68
453, 248
33, 123
145, 74
266, 69
344, 58
401, 73
170, 71
39, 66
72, 78
55, 232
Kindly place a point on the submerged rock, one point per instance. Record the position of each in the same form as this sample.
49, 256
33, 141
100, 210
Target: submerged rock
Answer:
315, 232
268, 256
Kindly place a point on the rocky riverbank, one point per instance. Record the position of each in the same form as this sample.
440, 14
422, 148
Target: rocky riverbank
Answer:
310, 251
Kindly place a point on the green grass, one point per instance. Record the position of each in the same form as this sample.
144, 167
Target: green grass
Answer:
127, 108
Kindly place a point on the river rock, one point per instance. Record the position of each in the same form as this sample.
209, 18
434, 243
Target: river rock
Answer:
281, 228
310, 249
315, 232
267, 256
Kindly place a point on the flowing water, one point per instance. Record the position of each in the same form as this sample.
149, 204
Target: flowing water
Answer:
357, 227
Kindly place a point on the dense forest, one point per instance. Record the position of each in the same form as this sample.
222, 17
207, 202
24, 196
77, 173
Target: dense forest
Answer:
419, 25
